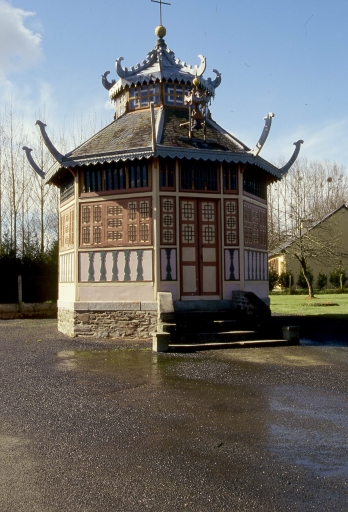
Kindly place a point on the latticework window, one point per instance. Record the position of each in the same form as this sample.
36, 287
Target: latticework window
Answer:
255, 226
116, 223
97, 235
168, 235
86, 235
231, 222
132, 233
66, 229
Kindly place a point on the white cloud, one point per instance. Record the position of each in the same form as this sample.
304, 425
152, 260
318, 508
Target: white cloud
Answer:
20, 48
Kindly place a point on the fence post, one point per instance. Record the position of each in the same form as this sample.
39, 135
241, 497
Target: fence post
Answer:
20, 294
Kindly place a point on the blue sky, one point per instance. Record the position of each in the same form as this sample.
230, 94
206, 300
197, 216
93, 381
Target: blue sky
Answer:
286, 57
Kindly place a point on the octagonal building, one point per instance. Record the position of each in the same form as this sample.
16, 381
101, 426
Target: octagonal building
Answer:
163, 200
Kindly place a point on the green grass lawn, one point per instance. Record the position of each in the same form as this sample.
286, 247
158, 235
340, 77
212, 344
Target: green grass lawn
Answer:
319, 306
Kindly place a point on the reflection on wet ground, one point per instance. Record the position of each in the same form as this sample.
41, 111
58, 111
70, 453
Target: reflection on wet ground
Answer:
243, 394
87, 426
330, 343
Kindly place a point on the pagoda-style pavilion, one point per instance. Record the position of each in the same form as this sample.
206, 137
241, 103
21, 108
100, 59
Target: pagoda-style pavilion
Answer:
162, 202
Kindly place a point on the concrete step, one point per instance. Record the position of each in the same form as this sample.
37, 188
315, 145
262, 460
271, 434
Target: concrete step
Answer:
198, 316
207, 326
212, 337
192, 347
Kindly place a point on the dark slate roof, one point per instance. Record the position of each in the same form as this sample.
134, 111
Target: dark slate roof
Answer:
130, 137
176, 136
130, 131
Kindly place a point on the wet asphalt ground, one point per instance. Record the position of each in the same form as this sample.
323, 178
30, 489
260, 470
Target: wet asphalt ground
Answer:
88, 427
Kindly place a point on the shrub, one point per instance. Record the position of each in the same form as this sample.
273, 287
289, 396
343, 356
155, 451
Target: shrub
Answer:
285, 279
321, 280
273, 277
301, 281
338, 277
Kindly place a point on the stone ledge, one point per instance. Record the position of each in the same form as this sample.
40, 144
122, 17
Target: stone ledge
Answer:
148, 306
107, 306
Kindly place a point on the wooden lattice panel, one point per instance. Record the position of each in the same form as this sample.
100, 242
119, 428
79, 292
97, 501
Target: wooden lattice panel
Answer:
231, 222
255, 226
116, 223
66, 229
168, 225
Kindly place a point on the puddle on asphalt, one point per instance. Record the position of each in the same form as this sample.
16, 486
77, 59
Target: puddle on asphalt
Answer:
216, 400
331, 343
275, 356
310, 429
133, 366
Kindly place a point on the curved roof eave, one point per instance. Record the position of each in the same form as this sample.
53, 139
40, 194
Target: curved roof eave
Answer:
163, 151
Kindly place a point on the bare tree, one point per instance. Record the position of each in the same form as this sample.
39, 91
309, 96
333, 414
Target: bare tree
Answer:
297, 204
320, 244
29, 207
307, 193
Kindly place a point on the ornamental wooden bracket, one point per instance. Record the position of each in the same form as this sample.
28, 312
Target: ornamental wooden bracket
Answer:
297, 149
32, 162
264, 135
48, 143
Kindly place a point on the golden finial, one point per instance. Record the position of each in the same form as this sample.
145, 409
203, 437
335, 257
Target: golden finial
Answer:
160, 31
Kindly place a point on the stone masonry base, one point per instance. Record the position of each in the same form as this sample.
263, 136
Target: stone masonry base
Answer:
120, 324
28, 310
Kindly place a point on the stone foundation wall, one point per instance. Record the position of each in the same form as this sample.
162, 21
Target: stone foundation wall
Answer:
127, 323
115, 324
28, 310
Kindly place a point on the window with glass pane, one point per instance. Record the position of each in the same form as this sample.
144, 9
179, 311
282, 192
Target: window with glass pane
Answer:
230, 176
140, 97
167, 170
116, 176
199, 175
174, 94
254, 182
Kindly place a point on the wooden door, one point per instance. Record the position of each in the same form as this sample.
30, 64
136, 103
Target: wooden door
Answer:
199, 238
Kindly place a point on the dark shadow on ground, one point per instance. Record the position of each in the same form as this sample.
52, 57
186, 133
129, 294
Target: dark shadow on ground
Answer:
315, 329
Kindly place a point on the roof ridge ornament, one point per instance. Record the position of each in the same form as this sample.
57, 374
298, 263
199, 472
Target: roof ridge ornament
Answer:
124, 72
54, 152
287, 166
264, 135
215, 83
106, 82
196, 70
32, 162
160, 65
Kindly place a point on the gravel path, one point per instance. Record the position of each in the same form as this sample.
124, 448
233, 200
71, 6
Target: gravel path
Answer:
87, 427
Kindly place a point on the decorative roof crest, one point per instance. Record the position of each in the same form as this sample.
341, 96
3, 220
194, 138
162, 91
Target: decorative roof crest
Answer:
161, 64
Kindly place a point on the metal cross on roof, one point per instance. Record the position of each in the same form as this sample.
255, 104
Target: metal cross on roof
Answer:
160, 2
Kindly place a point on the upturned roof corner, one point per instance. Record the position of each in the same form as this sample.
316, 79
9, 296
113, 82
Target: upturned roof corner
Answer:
293, 158
32, 162
264, 135
51, 148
